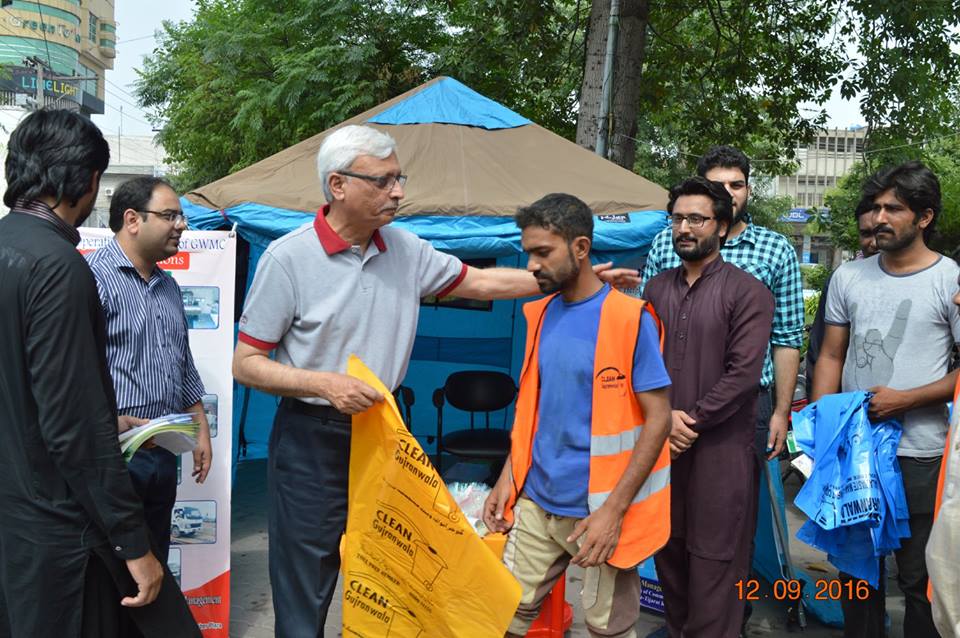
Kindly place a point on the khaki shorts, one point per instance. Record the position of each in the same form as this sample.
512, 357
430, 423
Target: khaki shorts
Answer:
537, 553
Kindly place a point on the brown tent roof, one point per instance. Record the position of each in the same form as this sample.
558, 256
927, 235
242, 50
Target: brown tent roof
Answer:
453, 170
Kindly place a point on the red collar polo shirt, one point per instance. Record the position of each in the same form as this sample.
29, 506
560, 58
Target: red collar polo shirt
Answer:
316, 299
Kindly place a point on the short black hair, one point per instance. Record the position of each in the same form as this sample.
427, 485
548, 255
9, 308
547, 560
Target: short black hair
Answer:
725, 157
134, 193
565, 215
54, 153
912, 183
722, 202
864, 206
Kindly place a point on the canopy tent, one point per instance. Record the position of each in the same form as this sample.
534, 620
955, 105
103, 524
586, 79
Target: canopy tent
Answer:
465, 155
471, 163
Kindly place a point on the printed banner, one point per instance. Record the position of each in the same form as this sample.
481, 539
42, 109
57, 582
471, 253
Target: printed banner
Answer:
412, 564
200, 526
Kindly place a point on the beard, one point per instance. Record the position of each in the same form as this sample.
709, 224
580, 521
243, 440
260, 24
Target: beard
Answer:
699, 249
890, 241
559, 279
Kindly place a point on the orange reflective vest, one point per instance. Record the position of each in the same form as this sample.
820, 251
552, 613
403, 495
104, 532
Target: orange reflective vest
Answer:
615, 426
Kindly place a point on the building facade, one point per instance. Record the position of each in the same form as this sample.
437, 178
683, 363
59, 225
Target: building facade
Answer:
822, 164
48, 42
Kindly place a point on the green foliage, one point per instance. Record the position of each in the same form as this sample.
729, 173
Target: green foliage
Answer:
837, 219
814, 276
766, 210
810, 305
734, 72
246, 78
526, 54
907, 64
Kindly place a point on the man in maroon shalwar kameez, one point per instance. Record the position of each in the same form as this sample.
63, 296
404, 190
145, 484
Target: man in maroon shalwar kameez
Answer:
717, 320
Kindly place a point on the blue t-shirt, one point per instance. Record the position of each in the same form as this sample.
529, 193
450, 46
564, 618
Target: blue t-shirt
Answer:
558, 477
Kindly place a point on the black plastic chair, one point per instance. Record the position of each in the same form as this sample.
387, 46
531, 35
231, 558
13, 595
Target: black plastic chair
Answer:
475, 391
405, 400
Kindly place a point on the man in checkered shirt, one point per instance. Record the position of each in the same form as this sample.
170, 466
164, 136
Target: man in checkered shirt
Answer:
771, 258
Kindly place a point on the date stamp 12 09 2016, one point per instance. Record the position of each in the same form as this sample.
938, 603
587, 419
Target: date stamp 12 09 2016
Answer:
791, 589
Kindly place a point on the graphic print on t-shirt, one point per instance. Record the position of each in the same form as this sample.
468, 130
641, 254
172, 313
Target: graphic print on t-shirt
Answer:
874, 352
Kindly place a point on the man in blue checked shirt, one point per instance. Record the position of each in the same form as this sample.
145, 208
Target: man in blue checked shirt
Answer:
771, 258
147, 348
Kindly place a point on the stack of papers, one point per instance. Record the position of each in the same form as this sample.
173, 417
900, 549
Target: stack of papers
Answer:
175, 432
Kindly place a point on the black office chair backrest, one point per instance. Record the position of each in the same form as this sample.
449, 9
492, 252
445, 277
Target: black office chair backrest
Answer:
405, 400
479, 390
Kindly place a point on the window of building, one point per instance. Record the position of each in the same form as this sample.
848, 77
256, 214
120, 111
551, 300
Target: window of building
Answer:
821, 143
93, 28
110, 44
109, 28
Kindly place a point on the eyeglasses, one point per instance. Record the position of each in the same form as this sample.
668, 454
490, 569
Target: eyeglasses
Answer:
693, 221
168, 216
383, 182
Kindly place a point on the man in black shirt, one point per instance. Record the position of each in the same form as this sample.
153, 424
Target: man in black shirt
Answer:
73, 542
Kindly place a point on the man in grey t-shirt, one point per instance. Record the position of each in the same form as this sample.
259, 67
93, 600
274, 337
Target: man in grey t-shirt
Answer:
346, 283
891, 327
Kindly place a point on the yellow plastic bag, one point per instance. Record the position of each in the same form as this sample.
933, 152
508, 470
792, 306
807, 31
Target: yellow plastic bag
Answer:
412, 565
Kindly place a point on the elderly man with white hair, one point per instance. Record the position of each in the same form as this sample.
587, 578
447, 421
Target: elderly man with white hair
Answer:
344, 283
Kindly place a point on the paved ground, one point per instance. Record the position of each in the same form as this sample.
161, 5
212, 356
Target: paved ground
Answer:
252, 611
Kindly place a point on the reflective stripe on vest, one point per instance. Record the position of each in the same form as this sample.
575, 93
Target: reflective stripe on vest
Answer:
606, 444
655, 482
616, 425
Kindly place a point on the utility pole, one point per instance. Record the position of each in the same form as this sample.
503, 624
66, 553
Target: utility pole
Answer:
40, 101
604, 123
44, 73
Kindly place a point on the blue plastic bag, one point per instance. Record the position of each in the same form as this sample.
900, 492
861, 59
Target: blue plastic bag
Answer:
854, 496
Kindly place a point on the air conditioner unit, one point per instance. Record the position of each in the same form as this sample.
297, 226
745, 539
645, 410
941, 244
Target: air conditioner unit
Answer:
108, 192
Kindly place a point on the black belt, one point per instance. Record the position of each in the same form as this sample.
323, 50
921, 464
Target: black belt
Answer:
325, 412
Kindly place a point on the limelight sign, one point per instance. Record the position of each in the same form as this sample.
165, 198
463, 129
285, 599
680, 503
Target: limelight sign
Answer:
25, 81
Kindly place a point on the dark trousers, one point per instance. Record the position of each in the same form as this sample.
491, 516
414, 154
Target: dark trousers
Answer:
864, 618
153, 472
107, 580
761, 432
700, 595
307, 475
764, 412
154, 476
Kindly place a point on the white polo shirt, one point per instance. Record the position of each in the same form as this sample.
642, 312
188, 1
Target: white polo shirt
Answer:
317, 300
